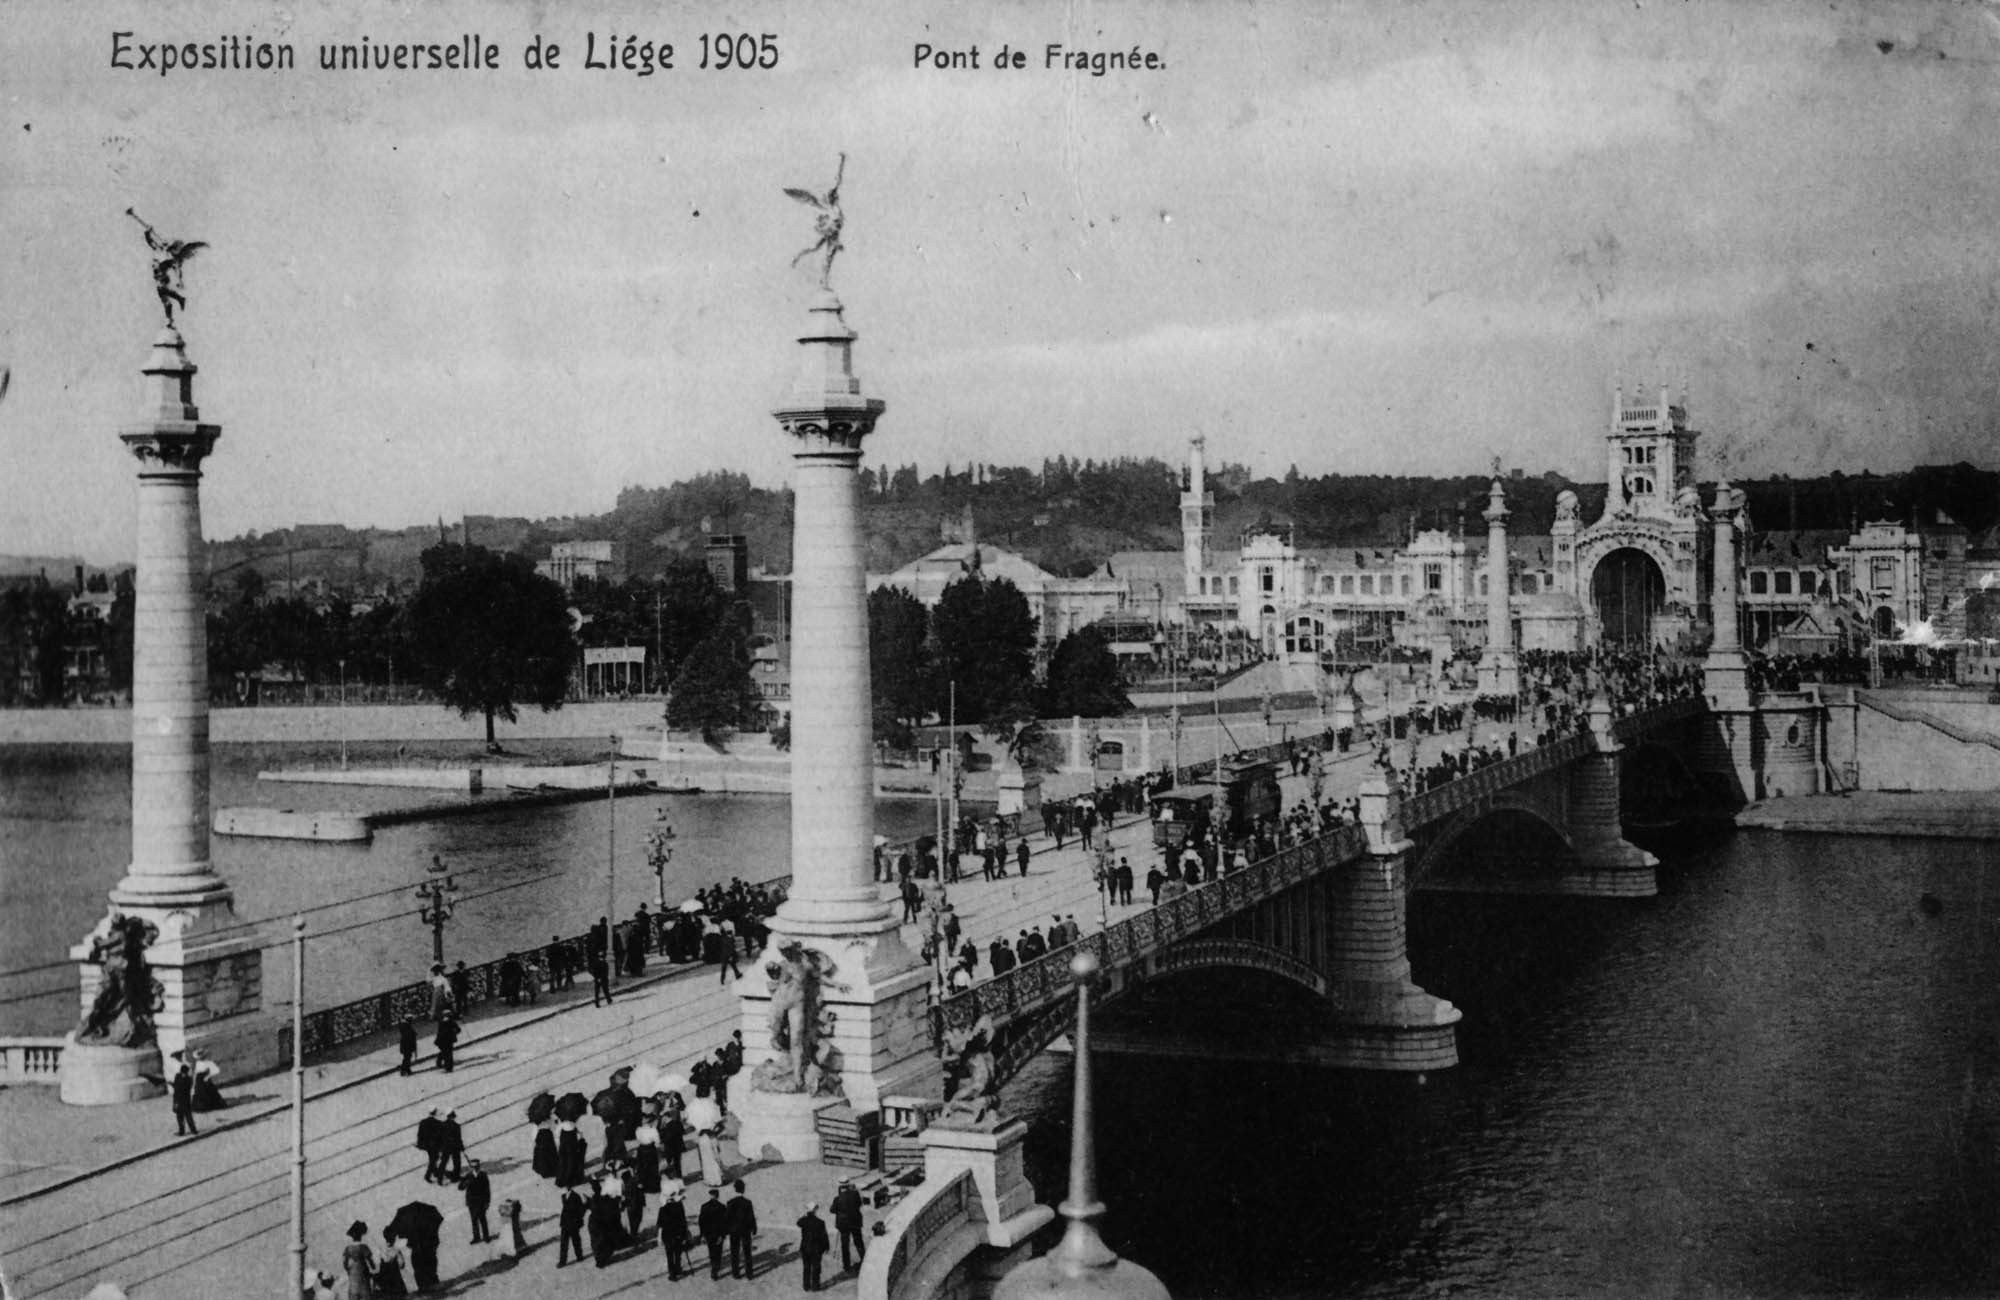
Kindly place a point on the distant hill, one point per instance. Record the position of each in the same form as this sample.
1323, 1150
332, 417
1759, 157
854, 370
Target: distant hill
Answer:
1066, 516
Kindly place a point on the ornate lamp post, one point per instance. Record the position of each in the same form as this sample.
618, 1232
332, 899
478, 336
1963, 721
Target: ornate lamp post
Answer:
659, 852
436, 897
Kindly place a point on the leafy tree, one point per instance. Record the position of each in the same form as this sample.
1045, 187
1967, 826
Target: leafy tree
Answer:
490, 633
903, 678
713, 691
118, 630
691, 608
985, 643
1083, 679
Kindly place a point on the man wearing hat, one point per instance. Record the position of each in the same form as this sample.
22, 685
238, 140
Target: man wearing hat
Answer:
478, 1195
573, 1211
451, 1149
847, 1222
430, 1141
813, 1245
714, 1225
742, 1219
674, 1233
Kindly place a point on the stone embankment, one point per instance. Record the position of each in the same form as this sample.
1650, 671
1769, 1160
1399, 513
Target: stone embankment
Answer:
1930, 814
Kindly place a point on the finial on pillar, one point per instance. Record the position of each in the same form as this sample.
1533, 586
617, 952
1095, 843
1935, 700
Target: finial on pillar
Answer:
1082, 1264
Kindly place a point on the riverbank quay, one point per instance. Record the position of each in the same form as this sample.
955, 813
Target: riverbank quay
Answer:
1921, 814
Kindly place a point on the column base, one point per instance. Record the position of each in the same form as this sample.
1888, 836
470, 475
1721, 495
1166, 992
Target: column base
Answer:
105, 1074
779, 1125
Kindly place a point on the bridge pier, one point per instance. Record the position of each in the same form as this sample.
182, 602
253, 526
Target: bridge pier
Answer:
1607, 864
1383, 1020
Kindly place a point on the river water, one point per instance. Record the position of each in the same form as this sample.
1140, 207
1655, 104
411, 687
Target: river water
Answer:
1781, 1077
65, 840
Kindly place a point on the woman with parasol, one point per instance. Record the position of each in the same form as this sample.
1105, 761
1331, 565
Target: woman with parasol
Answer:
540, 1110
572, 1152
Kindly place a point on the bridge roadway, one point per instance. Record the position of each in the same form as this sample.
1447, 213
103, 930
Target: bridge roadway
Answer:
107, 1195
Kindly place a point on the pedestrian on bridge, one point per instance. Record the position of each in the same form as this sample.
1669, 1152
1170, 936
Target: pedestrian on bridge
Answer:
451, 1149
813, 1246
406, 1043
742, 1234
573, 1213
430, 1141
714, 1225
847, 1222
478, 1189
1021, 856
446, 1039
673, 1224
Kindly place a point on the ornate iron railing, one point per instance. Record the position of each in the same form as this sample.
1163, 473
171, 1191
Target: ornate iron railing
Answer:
1632, 726
1441, 802
1035, 985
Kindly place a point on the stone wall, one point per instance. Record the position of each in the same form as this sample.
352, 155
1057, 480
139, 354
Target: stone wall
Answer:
1872, 749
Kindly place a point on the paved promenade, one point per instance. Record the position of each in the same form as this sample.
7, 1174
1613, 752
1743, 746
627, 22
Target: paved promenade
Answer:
108, 1195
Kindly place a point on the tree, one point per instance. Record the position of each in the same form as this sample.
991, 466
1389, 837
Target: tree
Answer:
490, 633
1084, 680
985, 642
901, 674
713, 691
691, 608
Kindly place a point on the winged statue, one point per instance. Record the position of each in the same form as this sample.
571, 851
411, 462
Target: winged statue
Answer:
827, 224
169, 256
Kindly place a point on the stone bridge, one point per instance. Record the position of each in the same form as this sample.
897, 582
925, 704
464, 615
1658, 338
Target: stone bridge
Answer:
1327, 916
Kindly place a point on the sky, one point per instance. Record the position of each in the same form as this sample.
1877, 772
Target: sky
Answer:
1357, 238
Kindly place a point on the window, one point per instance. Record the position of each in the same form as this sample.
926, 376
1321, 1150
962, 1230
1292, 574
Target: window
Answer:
1881, 573
1530, 584
1759, 582
1484, 579
1347, 584
1406, 584
1266, 580
1808, 582
1782, 582
1233, 586
1367, 584
1433, 577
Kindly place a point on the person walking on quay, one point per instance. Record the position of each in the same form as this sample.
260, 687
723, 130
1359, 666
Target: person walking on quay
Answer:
600, 988
1154, 880
461, 988
570, 1224
406, 1043
1125, 882
451, 1149
440, 991
714, 1224
813, 1245
430, 1141
1021, 856
742, 1234
358, 1262
674, 1233
478, 1190
603, 1224
572, 1154
673, 1141
389, 1268
183, 1102
510, 979
545, 1162
633, 1195
725, 946
446, 1039
557, 957
847, 1222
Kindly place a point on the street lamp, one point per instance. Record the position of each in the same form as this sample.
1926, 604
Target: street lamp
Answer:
610, 865
436, 897
659, 852
343, 715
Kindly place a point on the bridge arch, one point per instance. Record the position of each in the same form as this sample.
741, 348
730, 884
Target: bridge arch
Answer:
1510, 816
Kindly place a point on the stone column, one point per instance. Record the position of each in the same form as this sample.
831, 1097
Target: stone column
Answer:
208, 982
872, 989
1723, 670
1499, 672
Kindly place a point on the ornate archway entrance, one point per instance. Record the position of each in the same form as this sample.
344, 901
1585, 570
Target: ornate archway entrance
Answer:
1627, 592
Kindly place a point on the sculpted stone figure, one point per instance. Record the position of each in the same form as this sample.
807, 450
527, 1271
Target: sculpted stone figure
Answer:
974, 1103
169, 255
797, 1019
122, 1012
827, 225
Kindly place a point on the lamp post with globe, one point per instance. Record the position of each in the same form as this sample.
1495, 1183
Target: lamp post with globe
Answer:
659, 852
436, 897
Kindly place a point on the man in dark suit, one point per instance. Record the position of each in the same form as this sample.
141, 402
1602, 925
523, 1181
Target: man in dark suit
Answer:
478, 1195
573, 1210
714, 1225
447, 1038
451, 1149
406, 1043
847, 1222
183, 1088
742, 1232
813, 1245
430, 1141
674, 1235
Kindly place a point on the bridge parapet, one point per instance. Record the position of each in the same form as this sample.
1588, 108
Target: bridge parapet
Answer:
1028, 994
1635, 726
1437, 804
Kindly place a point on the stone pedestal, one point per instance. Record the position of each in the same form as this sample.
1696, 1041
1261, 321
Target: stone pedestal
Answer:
100, 1074
997, 1165
1723, 671
782, 1126
1020, 791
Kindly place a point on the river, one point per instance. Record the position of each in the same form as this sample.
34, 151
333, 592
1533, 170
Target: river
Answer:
1781, 1077
65, 840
